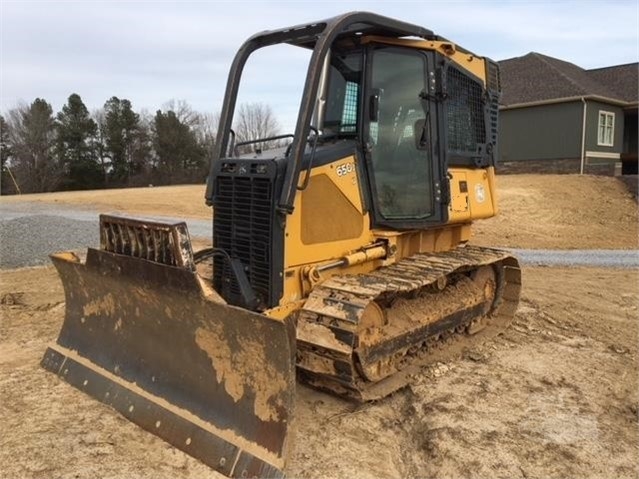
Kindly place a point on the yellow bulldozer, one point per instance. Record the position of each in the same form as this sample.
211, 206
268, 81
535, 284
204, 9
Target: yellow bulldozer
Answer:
339, 258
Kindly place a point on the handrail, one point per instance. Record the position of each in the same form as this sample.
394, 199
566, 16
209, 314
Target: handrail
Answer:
261, 140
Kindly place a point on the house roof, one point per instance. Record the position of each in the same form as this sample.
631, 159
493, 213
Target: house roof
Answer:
623, 79
536, 77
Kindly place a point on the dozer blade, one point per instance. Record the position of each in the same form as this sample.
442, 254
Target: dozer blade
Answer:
153, 342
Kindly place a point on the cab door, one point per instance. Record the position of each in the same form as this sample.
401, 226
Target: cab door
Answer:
405, 158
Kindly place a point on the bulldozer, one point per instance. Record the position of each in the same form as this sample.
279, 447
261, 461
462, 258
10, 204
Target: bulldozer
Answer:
339, 257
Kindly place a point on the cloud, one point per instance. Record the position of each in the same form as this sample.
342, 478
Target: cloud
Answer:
151, 52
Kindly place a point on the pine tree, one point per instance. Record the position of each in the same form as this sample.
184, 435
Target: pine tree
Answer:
180, 156
122, 127
76, 131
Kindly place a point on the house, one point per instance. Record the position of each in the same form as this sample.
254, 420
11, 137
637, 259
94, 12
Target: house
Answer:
556, 117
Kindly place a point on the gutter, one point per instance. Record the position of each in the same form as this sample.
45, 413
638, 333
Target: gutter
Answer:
567, 99
583, 136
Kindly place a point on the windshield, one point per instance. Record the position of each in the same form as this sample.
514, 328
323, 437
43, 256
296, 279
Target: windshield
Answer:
271, 90
269, 95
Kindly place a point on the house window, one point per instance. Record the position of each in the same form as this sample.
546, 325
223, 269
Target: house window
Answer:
606, 135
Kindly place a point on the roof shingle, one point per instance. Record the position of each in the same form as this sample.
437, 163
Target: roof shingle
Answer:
536, 77
622, 79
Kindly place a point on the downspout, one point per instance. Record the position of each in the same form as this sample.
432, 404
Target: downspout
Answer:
583, 136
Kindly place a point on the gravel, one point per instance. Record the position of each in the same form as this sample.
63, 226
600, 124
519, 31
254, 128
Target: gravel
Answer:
605, 258
28, 241
29, 232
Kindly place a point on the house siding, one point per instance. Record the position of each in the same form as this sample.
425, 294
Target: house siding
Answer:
543, 132
592, 126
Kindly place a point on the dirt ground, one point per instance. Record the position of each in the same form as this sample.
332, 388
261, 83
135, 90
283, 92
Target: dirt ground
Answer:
555, 396
536, 211
179, 201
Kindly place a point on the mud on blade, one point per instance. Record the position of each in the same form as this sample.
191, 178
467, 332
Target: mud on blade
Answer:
151, 341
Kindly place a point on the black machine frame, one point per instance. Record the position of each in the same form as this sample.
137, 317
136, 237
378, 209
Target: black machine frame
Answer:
319, 36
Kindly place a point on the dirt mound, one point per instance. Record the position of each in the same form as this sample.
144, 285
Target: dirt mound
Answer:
560, 212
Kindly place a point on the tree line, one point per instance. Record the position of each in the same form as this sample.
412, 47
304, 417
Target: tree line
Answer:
114, 146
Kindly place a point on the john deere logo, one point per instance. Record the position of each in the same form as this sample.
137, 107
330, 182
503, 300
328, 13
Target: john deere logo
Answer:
480, 193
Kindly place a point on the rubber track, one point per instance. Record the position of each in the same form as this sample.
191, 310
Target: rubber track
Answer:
327, 351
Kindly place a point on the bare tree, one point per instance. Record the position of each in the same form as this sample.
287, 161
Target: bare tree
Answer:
206, 132
8, 184
255, 121
208, 125
184, 113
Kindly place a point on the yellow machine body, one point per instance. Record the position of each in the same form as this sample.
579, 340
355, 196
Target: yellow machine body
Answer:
329, 222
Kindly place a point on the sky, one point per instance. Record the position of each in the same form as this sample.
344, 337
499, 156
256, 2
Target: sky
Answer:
152, 52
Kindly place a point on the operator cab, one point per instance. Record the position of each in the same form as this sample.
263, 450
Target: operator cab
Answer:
382, 100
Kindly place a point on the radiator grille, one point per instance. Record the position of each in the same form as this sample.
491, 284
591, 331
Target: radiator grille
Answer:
465, 112
243, 228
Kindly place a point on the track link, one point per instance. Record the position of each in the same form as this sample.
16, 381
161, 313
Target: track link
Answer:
364, 336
